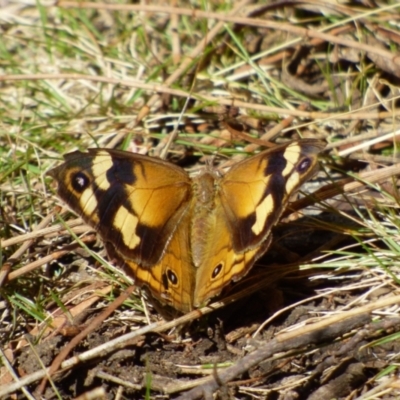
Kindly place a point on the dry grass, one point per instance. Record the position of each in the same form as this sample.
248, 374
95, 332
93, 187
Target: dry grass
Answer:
161, 80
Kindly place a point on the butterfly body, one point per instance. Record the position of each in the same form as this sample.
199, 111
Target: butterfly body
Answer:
184, 239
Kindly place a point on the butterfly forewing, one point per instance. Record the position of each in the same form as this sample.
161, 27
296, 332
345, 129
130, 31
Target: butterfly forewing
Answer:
255, 191
134, 202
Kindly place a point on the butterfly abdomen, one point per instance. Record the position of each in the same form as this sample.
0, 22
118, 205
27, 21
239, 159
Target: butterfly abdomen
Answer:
203, 216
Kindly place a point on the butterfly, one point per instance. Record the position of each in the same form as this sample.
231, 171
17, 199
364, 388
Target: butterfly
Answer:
184, 239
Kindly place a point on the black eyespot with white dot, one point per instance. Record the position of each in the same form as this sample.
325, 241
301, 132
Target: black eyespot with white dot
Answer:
217, 270
172, 278
80, 182
303, 165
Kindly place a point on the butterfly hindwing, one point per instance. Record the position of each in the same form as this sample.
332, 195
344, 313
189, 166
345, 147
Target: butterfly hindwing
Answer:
171, 280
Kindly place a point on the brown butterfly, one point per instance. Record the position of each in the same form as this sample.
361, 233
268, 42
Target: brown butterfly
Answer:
184, 239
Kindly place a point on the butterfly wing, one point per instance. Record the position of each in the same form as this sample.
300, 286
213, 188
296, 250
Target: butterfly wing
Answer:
250, 199
171, 280
255, 192
139, 206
